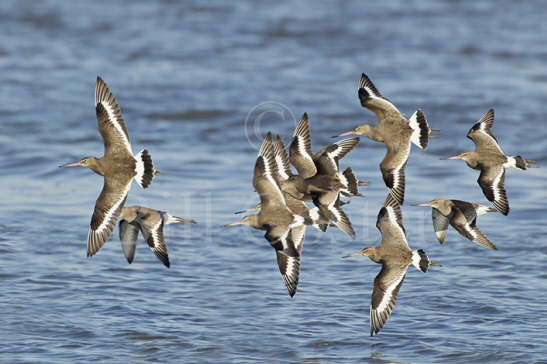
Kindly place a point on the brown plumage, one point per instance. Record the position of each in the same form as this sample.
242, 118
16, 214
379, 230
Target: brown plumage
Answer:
150, 223
275, 217
395, 256
395, 131
118, 166
462, 216
491, 161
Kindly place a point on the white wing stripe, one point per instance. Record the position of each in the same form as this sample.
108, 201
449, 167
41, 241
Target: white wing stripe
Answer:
302, 148
114, 121
386, 298
110, 214
269, 176
496, 186
393, 221
280, 169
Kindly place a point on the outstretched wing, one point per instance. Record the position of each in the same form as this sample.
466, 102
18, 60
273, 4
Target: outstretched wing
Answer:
264, 180
111, 124
440, 224
384, 295
481, 134
327, 159
107, 209
300, 149
281, 159
390, 224
371, 98
152, 230
472, 232
393, 171
492, 182
288, 260
129, 233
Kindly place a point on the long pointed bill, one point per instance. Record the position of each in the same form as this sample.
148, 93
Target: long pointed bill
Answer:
180, 219
247, 210
451, 158
75, 164
352, 255
426, 204
435, 264
235, 223
344, 134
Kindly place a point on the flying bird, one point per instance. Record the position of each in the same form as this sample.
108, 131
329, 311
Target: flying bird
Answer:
395, 256
150, 223
462, 216
275, 217
395, 131
118, 166
491, 161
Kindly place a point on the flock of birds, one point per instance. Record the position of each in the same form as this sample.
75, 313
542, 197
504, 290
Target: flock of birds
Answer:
284, 211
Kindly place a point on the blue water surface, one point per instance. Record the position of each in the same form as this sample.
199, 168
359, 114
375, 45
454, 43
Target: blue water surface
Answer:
199, 84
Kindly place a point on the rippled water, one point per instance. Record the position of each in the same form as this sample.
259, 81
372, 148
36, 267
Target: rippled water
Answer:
198, 83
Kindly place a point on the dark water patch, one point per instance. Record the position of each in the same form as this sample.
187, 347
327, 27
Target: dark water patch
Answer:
43, 21
188, 115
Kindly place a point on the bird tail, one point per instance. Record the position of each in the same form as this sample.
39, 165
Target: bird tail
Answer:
481, 210
520, 162
421, 261
144, 169
352, 183
420, 134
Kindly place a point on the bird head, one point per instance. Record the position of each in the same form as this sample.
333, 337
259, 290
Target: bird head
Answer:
463, 156
366, 252
250, 220
87, 162
363, 129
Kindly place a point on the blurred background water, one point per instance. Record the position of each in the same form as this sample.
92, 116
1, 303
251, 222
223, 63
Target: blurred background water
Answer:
199, 84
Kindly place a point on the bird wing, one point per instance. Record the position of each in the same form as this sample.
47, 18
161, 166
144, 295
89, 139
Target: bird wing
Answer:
327, 159
297, 236
467, 210
342, 221
481, 134
472, 232
107, 209
300, 149
264, 180
390, 224
440, 224
349, 179
393, 170
288, 260
129, 233
111, 124
152, 229
367, 91
492, 180
384, 295
281, 159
